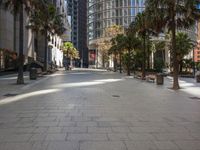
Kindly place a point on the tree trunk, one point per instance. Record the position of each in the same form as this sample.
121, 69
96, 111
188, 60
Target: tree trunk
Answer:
46, 52
20, 78
144, 58
148, 53
174, 55
120, 62
14, 32
181, 66
115, 62
128, 63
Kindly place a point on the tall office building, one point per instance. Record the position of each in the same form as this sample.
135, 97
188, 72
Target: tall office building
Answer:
104, 13
77, 11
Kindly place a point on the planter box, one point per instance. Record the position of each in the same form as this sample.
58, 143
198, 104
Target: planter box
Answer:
198, 78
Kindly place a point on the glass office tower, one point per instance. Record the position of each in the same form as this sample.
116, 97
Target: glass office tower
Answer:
104, 13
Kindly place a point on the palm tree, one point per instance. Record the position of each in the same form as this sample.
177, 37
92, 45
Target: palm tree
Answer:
46, 21
184, 45
18, 7
173, 14
141, 25
70, 52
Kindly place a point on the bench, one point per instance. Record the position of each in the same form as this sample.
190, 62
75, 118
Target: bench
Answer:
151, 78
39, 71
138, 75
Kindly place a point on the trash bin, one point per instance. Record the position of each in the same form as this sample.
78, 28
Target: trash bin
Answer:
159, 79
198, 78
33, 74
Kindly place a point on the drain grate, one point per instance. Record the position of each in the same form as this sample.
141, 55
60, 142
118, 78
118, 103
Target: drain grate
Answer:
10, 95
116, 96
195, 98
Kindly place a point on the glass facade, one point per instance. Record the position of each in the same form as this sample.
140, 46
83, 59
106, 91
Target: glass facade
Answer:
104, 13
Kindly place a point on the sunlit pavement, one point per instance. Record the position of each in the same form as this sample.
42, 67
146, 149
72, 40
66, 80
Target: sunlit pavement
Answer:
99, 110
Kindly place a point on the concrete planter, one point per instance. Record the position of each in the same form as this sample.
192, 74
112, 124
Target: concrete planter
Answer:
159, 79
198, 78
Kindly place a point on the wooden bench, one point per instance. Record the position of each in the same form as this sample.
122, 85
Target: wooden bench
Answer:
151, 78
138, 75
39, 71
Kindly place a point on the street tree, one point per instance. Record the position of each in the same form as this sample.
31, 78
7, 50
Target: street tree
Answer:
46, 21
104, 43
184, 45
70, 52
173, 14
142, 26
17, 7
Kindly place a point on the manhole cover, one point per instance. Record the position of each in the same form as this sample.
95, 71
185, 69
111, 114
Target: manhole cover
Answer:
196, 98
116, 96
10, 95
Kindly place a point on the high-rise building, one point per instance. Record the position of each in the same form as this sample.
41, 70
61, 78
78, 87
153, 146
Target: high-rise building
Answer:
105, 13
77, 11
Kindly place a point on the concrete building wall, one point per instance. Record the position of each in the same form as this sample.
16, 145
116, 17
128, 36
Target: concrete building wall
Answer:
7, 39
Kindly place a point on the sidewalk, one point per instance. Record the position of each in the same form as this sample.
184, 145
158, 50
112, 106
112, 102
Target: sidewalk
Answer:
188, 85
8, 84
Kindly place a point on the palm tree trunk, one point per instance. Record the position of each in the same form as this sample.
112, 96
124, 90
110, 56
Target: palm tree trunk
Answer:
120, 62
144, 58
14, 31
115, 62
46, 52
148, 53
128, 63
174, 55
20, 78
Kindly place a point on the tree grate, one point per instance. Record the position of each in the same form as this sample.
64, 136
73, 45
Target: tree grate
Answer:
195, 98
10, 95
115, 96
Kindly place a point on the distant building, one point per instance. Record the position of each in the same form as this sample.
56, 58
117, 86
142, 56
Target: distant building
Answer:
77, 11
55, 54
103, 14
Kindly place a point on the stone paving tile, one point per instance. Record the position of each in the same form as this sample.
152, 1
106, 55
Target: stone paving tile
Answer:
148, 130
140, 145
15, 137
56, 137
74, 130
87, 124
99, 130
39, 145
40, 130
81, 118
54, 129
113, 124
166, 145
102, 146
44, 119
87, 137
38, 137
121, 129
141, 136
17, 146
173, 136
118, 136
47, 124
22, 130
67, 124
63, 146
188, 144
64, 119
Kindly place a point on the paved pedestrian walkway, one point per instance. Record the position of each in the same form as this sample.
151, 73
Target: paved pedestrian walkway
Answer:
98, 110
